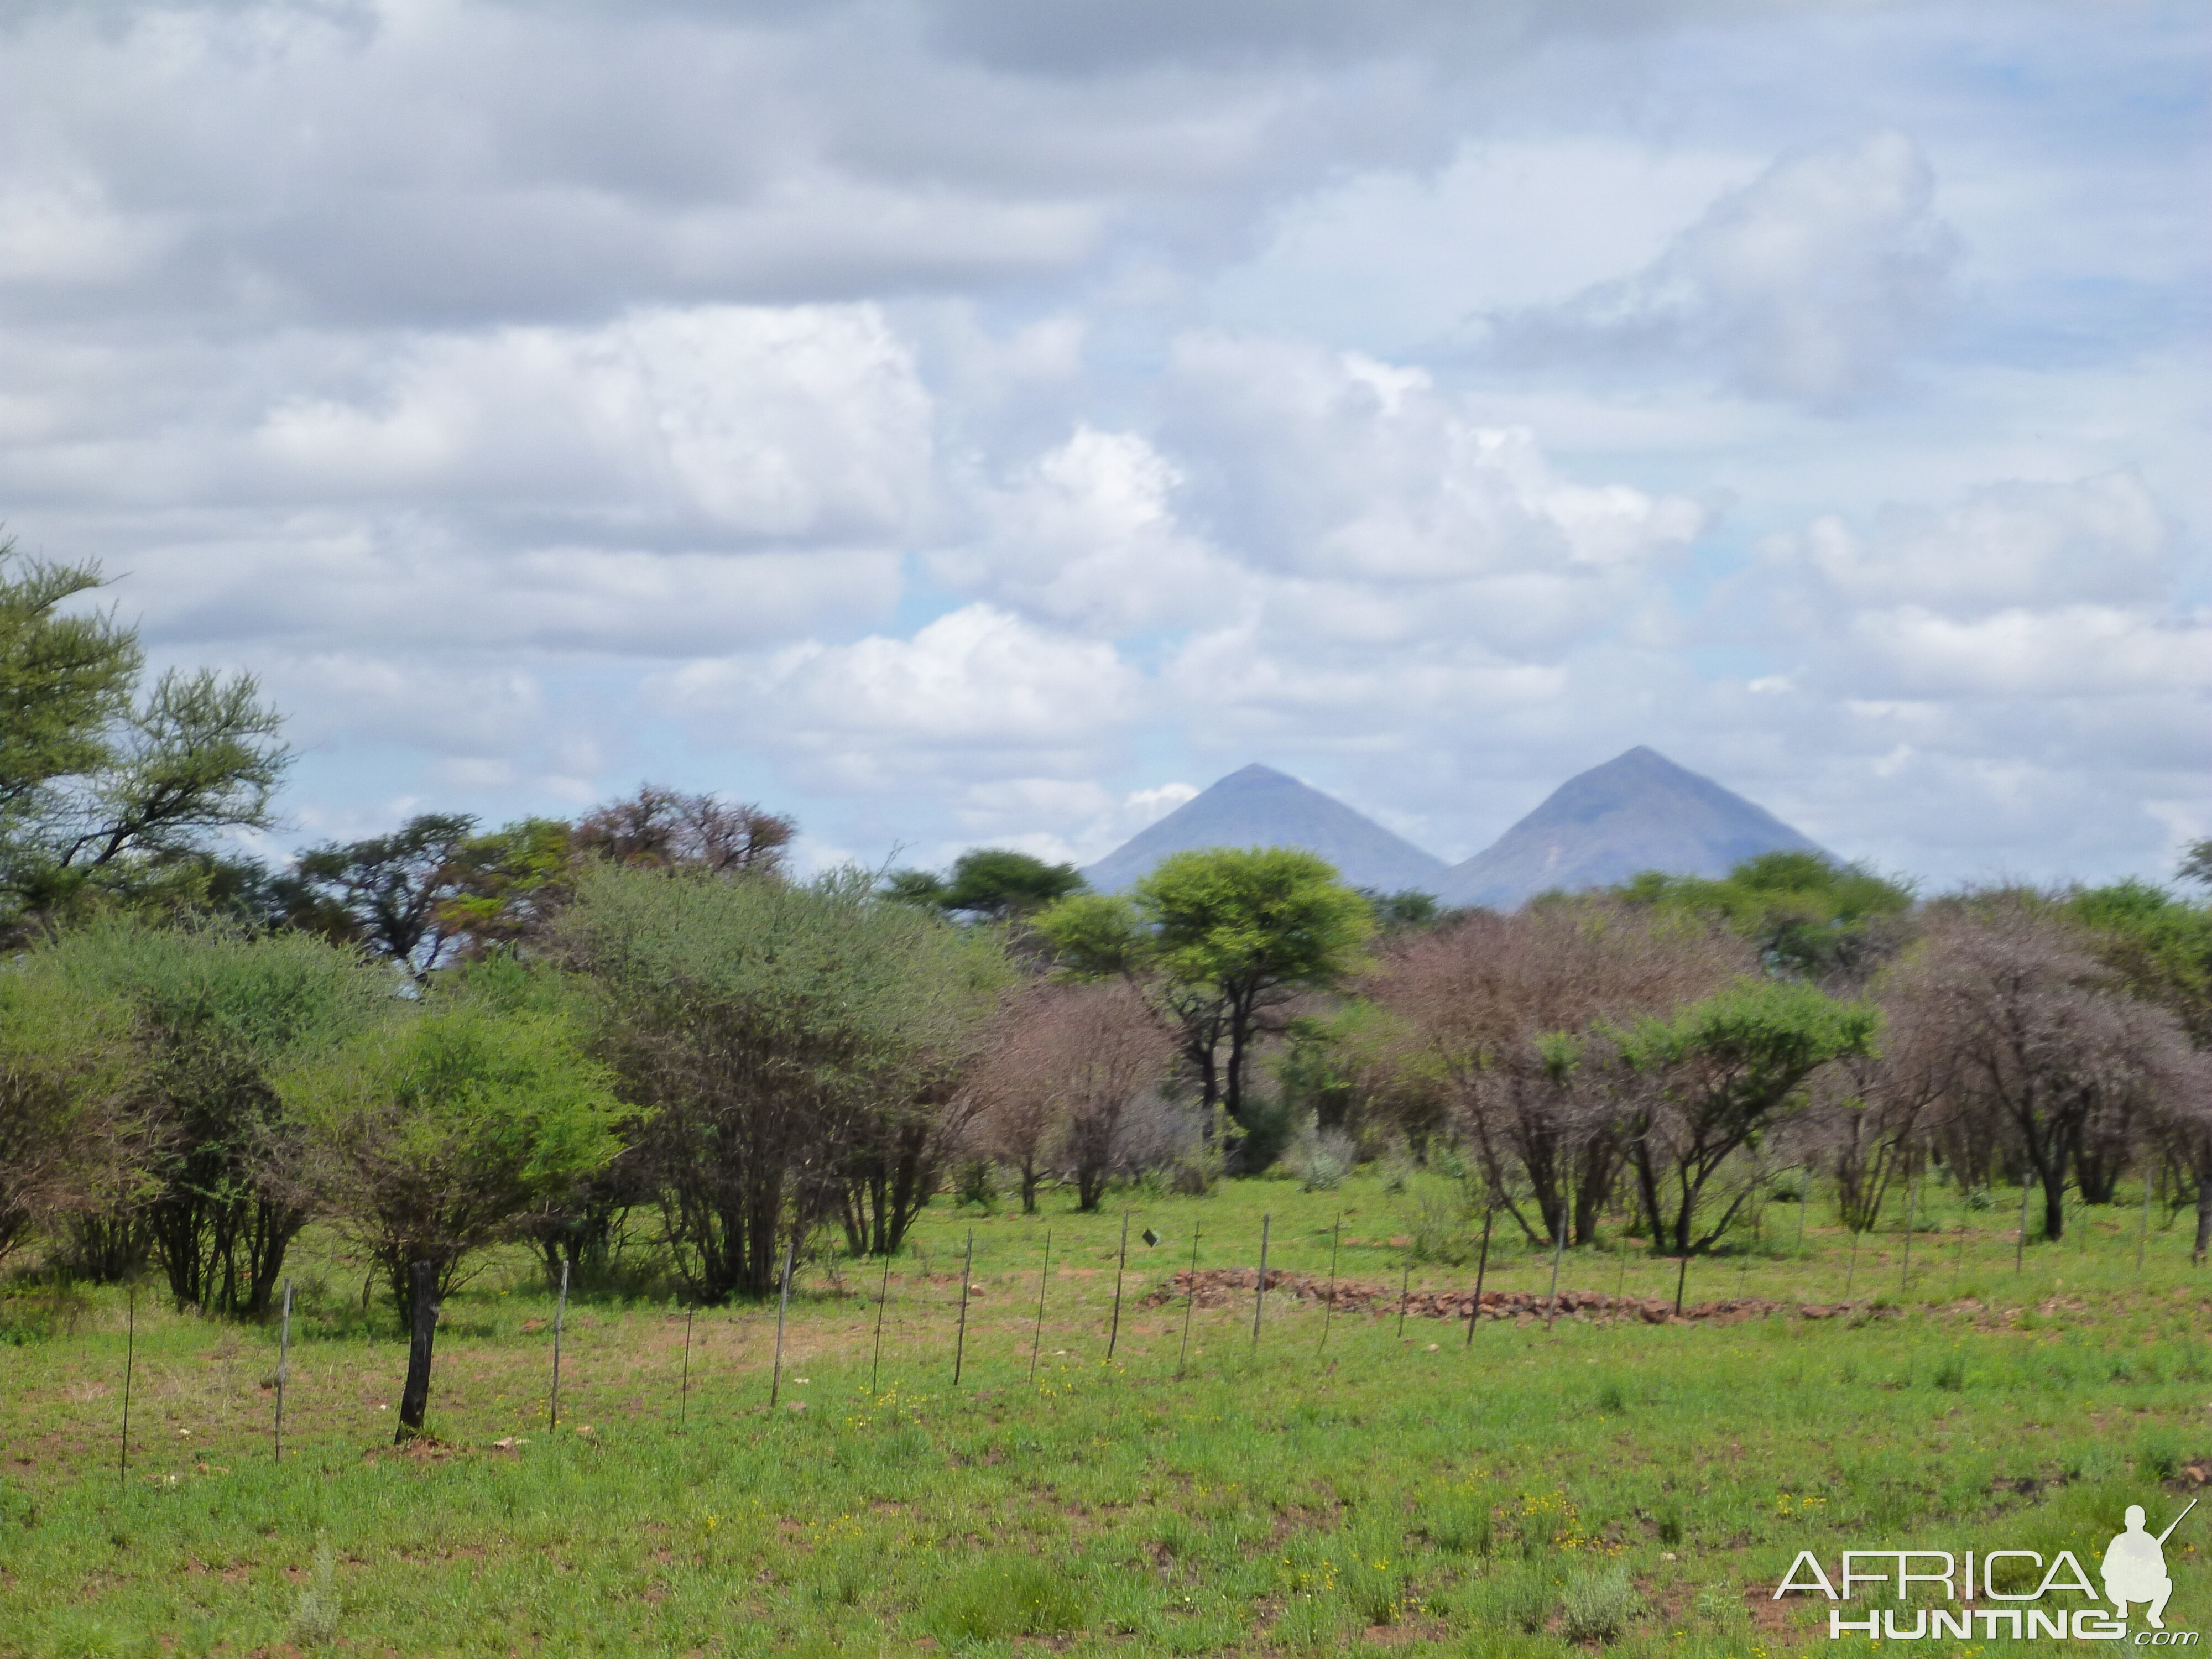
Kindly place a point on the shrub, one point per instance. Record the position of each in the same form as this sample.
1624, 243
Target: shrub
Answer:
993, 1601
2157, 1455
1319, 1158
316, 1611
1597, 1603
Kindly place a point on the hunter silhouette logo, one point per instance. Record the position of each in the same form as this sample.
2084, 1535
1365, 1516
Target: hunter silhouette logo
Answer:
2133, 1568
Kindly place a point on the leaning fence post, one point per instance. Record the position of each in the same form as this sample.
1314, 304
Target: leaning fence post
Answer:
2020, 1245
1912, 1196
1682, 1278
960, 1343
783, 1306
129, 1357
1260, 1296
560, 1318
283, 1359
1036, 1332
683, 1395
883, 1296
1328, 1306
1559, 1251
1482, 1267
2143, 1239
1405, 1283
1189, 1301
1114, 1331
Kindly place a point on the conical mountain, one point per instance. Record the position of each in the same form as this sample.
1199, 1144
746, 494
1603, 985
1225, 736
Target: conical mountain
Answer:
1259, 807
1638, 812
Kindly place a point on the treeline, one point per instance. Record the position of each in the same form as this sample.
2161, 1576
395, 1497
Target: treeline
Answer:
1676, 1049
636, 1034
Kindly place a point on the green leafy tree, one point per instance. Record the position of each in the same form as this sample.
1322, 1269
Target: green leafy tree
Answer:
1230, 933
218, 1014
70, 1140
105, 793
991, 883
1808, 915
432, 1133
798, 1043
1721, 1073
393, 893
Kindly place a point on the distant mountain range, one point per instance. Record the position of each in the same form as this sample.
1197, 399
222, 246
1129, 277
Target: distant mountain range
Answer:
1638, 812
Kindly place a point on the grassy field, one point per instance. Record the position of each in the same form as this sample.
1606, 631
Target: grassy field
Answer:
1626, 1485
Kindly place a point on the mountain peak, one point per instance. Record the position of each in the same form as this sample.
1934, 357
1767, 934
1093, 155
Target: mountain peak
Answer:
1638, 812
1257, 806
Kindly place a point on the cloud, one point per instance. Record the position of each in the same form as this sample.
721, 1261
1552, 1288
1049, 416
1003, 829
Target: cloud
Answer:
976, 692
748, 424
2004, 545
1088, 534
1810, 285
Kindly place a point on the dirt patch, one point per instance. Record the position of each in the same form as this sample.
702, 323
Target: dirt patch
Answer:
1217, 1287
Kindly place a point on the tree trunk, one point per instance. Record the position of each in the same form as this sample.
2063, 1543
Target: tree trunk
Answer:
1240, 1037
2203, 1217
2054, 1203
415, 1399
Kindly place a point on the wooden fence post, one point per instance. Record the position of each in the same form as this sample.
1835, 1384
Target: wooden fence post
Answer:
1482, 1267
1260, 1296
1114, 1331
284, 1364
883, 1296
1559, 1254
683, 1398
783, 1306
1036, 1332
130, 1357
1328, 1306
560, 1318
1189, 1301
960, 1343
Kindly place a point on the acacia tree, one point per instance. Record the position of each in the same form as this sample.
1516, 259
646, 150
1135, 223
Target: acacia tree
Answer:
1721, 1075
989, 884
217, 1014
1228, 936
70, 1140
105, 792
2045, 1040
1872, 1110
433, 1132
1516, 1014
773, 1028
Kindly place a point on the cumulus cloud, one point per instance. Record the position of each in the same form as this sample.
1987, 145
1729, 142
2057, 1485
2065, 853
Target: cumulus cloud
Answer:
1809, 285
1989, 654
1088, 534
978, 687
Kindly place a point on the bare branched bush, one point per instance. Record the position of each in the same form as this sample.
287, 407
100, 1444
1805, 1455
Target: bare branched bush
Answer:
1065, 1066
2043, 1040
1513, 1012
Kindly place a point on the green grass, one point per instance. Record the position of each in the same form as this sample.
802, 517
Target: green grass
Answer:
1626, 1483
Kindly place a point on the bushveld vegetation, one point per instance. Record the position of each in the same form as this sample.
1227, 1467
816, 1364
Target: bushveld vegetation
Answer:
635, 1055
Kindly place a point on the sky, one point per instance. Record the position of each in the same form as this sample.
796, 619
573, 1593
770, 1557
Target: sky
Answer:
960, 422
